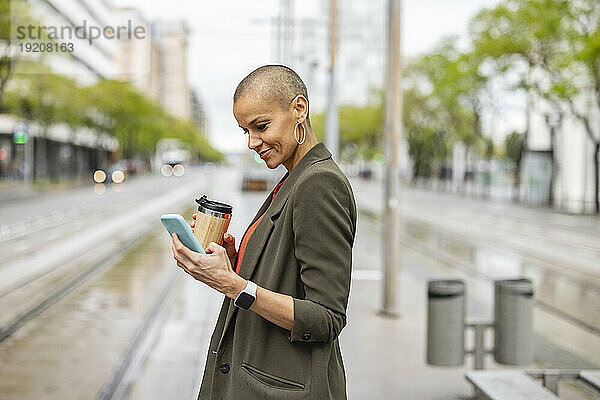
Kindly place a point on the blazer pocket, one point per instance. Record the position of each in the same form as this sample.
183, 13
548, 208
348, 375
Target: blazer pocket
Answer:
270, 379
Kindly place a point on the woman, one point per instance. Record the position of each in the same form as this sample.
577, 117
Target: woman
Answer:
286, 289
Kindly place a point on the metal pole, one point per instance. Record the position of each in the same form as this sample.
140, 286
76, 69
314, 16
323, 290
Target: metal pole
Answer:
393, 134
332, 123
289, 33
479, 353
280, 31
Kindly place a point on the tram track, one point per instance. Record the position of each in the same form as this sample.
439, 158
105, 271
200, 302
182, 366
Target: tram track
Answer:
55, 295
37, 288
117, 385
101, 293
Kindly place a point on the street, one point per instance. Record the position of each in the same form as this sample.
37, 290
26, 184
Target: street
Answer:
135, 326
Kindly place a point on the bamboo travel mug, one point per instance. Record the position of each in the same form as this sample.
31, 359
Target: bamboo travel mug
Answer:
212, 221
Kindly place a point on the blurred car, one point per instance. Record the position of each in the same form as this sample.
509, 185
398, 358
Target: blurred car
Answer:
172, 168
365, 173
256, 175
255, 180
116, 173
170, 157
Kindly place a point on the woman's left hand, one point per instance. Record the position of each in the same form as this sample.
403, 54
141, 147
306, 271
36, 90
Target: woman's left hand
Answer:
213, 268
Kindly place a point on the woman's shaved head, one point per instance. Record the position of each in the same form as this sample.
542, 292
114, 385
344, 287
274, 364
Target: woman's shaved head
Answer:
271, 107
272, 83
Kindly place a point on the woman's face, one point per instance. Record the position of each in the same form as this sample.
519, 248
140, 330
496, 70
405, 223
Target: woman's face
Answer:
270, 129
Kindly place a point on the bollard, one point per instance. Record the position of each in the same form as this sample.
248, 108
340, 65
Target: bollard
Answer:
445, 322
513, 321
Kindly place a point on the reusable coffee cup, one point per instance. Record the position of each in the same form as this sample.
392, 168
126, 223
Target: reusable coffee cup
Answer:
212, 221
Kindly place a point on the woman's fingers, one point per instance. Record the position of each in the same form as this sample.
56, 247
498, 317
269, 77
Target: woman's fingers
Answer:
180, 247
228, 239
229, 244
212, 248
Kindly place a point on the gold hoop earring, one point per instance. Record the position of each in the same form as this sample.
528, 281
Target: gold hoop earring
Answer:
303, 133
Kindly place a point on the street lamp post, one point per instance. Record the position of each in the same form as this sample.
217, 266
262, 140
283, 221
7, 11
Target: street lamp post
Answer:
393, 135
332, 123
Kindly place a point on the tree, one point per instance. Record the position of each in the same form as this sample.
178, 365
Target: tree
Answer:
577, 80
118, 109
525, 37
5, 44
359, 125
44, 97
13, 14
442, 105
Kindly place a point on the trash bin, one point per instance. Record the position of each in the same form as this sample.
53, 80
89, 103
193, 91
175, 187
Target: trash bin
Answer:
445, 322
513, 319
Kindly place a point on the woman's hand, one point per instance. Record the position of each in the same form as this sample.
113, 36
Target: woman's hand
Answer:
213, 268
228, 242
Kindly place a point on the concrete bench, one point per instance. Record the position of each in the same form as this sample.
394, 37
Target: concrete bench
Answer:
592, 378
507, 385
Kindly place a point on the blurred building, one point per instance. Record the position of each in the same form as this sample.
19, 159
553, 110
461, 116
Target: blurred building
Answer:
139, 59
174, 87
154, 62
89, 61
361, 55
56, 152
157, 64
198, 113
51, 153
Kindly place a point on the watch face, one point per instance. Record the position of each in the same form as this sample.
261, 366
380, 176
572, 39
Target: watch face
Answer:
244, 300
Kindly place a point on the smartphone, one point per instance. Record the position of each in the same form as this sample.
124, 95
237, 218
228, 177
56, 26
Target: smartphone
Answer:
176, 223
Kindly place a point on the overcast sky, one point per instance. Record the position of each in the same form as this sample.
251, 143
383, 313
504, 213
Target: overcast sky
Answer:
230, 38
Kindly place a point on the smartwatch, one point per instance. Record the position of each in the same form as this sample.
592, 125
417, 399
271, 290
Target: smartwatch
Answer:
246, 297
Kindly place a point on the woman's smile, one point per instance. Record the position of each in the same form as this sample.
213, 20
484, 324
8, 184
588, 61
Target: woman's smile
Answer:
265, 153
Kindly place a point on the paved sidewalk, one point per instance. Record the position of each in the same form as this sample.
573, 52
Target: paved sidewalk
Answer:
385, 357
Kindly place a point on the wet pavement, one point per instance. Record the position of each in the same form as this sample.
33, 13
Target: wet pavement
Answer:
175, 364
50, 258
466, 235
385, 358
173, 367
72, 349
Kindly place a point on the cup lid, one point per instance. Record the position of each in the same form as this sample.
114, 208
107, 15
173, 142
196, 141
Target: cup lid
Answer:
214, 205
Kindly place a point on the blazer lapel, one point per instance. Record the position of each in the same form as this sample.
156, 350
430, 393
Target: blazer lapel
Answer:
256, 243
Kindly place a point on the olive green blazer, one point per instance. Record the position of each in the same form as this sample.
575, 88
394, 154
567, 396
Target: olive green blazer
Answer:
302, 247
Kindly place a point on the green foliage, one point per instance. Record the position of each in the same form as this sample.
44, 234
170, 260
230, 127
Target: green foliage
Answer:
108, 106
426, 149
36, 94
442, 105
360, 126
13, 14
551, 46
44, 97
117, 108
317, 122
